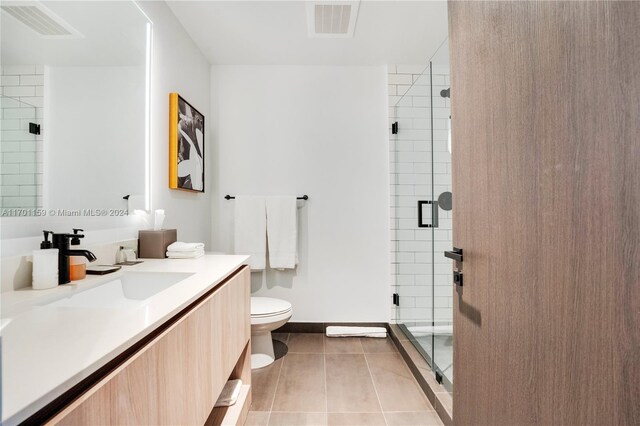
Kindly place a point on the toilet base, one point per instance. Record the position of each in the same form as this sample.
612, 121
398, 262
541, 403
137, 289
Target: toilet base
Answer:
261, 350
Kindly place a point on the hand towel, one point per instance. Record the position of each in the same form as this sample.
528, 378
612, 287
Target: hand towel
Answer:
251, 230
282, 232
229, 394
180, 246
193, 254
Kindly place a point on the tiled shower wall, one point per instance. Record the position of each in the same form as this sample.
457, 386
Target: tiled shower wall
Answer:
422, 298
22, 91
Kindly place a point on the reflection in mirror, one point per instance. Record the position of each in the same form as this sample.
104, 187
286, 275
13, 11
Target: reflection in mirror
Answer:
83, 79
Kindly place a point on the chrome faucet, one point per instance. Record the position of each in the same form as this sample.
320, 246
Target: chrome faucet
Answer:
61, 242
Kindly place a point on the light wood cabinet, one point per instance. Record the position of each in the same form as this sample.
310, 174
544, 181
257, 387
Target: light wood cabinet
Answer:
177, 377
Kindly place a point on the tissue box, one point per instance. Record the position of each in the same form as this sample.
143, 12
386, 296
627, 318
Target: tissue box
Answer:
153, 244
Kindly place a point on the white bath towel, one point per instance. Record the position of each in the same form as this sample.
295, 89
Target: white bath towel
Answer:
251, 230
282, 232
180, 246
337, 331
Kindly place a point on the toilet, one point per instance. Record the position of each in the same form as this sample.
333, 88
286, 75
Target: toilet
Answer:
267, 314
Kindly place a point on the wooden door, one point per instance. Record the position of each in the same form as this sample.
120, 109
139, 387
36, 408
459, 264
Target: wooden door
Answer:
546, 184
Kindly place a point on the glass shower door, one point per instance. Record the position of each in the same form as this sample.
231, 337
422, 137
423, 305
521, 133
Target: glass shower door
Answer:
443, 273
412, 209
421, 212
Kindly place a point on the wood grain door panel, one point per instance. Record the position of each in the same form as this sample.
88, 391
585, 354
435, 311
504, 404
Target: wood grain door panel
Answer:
546, 186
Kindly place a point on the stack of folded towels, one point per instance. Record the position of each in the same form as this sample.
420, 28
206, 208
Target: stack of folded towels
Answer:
180, 250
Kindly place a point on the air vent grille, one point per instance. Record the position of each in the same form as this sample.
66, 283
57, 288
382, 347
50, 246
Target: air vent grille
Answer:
39, 19
332, 18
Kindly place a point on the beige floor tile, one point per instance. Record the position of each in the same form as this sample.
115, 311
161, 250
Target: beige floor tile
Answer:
375, 346
257, 418
297, 419
396, 387
263, 389
356, 419
301, 387
342, 345
414, 418
306, 343
349, 385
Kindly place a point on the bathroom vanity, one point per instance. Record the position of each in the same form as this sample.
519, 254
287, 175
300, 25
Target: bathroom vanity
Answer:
153, 344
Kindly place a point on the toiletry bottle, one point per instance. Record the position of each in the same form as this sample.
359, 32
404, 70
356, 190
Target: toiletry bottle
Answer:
121, 257
77, 264
45, 265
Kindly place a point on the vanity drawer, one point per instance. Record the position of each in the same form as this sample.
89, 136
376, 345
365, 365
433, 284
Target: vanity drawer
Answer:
176, 378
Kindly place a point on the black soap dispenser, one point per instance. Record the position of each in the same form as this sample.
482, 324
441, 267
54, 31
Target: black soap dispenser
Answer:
77, 264
46, 244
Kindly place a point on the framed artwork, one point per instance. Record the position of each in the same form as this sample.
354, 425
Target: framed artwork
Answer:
186, 145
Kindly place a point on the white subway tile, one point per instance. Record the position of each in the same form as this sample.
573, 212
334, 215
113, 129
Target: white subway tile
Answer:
19, 91
34, 101
9, 103
7, 146
18, 69
9, 190
400, 79
26, 168
32, 80
27, 190
9, 80
18, 112
10, 169
412, 69
28, 146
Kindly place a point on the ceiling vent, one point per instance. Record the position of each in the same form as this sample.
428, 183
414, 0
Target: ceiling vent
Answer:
39, 19
332, 19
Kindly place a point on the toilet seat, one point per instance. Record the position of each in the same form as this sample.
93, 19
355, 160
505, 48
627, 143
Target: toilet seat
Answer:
266, 307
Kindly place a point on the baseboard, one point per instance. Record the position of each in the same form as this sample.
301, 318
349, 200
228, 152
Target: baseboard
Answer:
319, 327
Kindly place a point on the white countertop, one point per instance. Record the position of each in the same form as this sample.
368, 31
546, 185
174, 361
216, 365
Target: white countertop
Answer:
47, 349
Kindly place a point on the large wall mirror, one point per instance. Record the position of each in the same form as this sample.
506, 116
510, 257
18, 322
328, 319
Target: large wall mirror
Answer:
75, 107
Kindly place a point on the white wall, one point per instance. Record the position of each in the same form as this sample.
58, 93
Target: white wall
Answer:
319, 131
95, 121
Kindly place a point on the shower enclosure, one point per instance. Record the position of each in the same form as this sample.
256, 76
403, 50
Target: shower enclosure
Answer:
421, 221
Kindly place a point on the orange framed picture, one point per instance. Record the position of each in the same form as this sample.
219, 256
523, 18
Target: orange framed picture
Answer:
186, 145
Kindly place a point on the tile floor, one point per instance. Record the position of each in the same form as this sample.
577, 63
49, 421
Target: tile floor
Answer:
338, 381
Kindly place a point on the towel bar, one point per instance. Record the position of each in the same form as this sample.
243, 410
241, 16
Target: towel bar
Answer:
229, 197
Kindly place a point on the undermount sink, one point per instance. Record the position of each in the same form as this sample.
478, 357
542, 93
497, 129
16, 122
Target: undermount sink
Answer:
129, 289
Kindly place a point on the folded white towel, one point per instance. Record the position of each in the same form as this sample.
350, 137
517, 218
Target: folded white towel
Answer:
180, 246
229, 394
337, 331
282, 232
251, 230
193, 254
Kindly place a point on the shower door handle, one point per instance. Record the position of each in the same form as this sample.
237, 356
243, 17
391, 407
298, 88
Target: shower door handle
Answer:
434, 214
